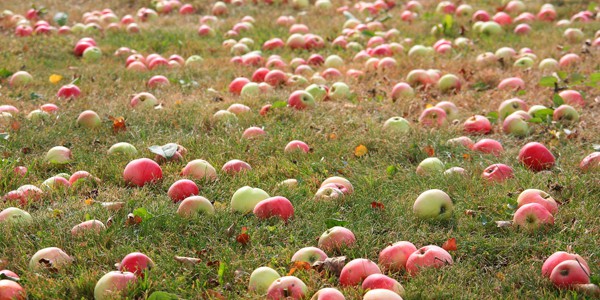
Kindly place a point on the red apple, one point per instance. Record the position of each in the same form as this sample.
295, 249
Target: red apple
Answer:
88, 226
136, 263
287, 287
477, 124
111, 285
497, 173
380, 281
536, 157
539, 197
590, 163
357, 270
10, 290
328, 294
532, 216
68, 91
274, 207
488, 146
432, 117
558, 257
236, 166
296, 146
301, 100
393, 258
333, 239
182, 189
428, 257
142, 171
568, 273
381, 294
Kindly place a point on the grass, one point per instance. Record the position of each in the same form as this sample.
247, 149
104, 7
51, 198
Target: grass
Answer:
490, 262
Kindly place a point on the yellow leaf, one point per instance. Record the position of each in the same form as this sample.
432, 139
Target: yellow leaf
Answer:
360, 150
55, 78
332, 136
428, 106
89, 201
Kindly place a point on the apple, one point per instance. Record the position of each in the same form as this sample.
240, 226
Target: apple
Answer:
287, 287
539, 197
50, 258
558, 257
569, 60
548, 65
572, 97
15, 215
497, 173
296, 146
328, 294
428, 257
246, 198
93, 226
512, 83
296, 41
397, 125
339, 91
456, 170
309, 255
89, 119
319, 92
478, 125
122, 148
334, 61
38, 115
433, 117
516, 125
143, 100
112, 283
276, 206
532, 216
355, 271
488, 146
136, 263
569, 273
491, 28
11, 290
261, 278
536, 157
565, 113
20, 78
462, 140
402, 90
487, 59
590, 163
69, 91
253, 132
276, 77
509, 106
574, 35
450, 109
393, 258
449, 82
193, 205
235, 166
157, 81
380, 281
182, 189
430, 166
301, 100
91, 54
335, 238
433, 204
341, 183
58, 155
421, 51
142, 171
56, 183
381, 294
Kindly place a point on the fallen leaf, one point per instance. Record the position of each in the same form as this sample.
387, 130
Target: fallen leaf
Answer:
331, 265
89, 201
109, 222
450, 245
113, 206
466, 156
360, 150
377, 205
133, 219
118, 124
212, 294
55, 78
298, 265
469, 212
429, 105
500, 276
502, 224
430, 151
188, 260
243, 238
332, 136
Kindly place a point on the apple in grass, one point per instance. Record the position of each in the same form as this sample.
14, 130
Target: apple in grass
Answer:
428, 257
261, 278
449, 82
532, 216
69, 91
253, 133
296, 146
393, 258
235, 166
433, 204
539, 197
56, 183
397, 125
319, 92
91, 54
91, 226
536, 157
572, 98
433, 117
381, 294
193, 205
402, 90
182, 189
276, 206
339, 91
507, 107
590, 163
142, 171
430, 166
477, 125
122, 148
516, 125
15, 215
497, 173
136, 263
355, 271
287, 287
58, 155
301, 100
11, 290
380, 281
143, 100
246, 198
112, 284
328, 294
488, 146
565, 113
20, 78
342, 183
89, 119
568, 273
558, 257
309, 255
336, 238
450, 109
51, 258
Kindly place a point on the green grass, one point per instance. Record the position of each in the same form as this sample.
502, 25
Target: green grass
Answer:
490, 262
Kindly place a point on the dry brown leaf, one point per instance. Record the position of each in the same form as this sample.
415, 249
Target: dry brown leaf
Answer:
450, 245
502, 224
212, 294
133, 220
332, 265
188, 260
113, 206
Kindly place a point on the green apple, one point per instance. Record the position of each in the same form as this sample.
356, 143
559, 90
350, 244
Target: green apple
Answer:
339, 91
318, 92
122, 148
397, 125
193, 205
433, 204
430, 166
261, 279
334, 61
246, 198
15, 216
